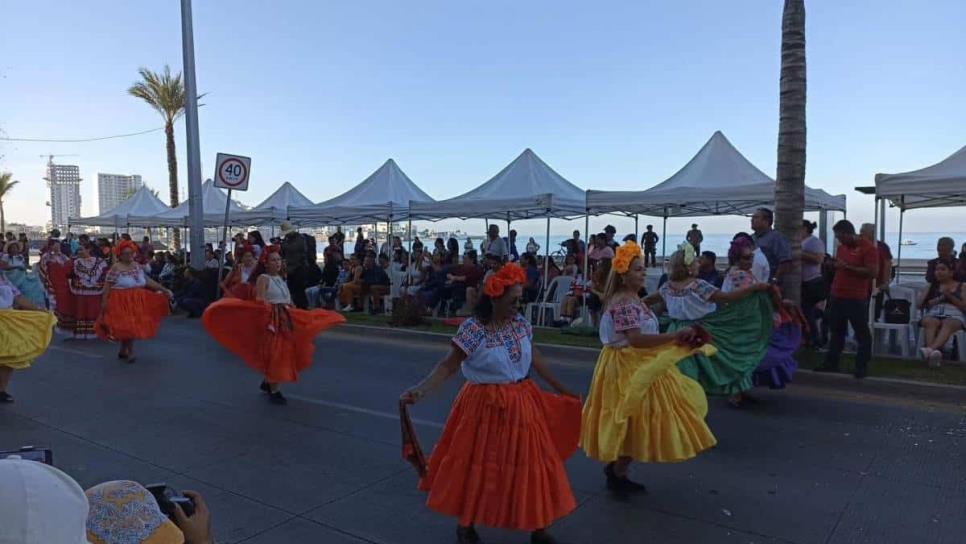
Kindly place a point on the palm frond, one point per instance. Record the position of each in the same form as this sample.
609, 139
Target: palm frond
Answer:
7, 183
163, 91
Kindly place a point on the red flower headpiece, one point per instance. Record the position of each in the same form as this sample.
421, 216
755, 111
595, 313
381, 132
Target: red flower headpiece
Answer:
511, 274
268, 250
126, 244
242, 249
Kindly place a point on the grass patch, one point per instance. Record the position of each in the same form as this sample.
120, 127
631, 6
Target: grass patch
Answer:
881, 367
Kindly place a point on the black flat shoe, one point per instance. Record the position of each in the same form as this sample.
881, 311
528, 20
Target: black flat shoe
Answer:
621, 486
467, 535
264, 387
5, 397
542, 537
277, 398
131, 359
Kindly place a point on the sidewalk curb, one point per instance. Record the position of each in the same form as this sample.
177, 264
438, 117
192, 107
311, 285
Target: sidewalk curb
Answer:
937, 392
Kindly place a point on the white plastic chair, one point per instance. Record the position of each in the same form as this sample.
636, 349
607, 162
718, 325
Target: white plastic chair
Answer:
552, 299
905, 333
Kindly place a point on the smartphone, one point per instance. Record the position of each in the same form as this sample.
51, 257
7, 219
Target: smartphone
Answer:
167, 497
30, 453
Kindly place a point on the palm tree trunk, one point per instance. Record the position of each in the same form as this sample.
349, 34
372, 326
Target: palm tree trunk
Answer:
172, 174
3, 220
790, 187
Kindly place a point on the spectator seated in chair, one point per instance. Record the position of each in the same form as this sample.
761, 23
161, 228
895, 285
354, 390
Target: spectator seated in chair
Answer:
352, 288
433, 290
192, 296
324, 295
462, 283
531, 290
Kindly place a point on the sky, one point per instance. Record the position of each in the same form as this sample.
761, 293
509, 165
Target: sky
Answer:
613, 95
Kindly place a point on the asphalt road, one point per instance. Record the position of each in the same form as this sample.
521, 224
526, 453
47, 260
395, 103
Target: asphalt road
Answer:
807, 465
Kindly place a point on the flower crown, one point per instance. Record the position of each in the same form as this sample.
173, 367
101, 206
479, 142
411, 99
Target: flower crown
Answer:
688, 251
624, 256
511, 274
124, 244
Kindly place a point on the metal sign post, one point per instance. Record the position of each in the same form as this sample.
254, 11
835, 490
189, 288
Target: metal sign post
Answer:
231, 172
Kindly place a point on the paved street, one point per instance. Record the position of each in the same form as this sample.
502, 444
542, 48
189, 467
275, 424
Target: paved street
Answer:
807, 465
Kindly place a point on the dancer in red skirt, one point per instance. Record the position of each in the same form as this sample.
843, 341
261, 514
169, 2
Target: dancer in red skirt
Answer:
240, 282
75, 287
268, 333
133, 304
500, 461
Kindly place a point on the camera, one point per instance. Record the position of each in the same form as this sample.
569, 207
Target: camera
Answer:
30, 453
167, 497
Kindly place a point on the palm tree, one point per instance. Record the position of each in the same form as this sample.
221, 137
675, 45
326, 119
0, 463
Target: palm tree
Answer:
790, 175
6, 185
165, 93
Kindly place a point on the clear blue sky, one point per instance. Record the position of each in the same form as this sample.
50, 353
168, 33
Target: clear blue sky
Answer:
614, 95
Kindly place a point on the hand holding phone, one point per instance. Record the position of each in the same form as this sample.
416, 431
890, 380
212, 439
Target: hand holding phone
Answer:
30, 453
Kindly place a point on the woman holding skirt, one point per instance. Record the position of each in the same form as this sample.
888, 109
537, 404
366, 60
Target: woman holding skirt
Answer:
740, 323
500, 460
132, 305
268, 333
640, 407
25, 331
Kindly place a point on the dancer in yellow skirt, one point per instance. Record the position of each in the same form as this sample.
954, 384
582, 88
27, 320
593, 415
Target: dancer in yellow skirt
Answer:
25, 332
640, 407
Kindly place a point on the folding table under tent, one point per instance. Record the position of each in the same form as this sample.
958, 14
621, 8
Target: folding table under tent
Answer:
718, 180
274, 209
941, 185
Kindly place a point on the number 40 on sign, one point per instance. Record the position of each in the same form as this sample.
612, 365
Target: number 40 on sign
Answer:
232, 171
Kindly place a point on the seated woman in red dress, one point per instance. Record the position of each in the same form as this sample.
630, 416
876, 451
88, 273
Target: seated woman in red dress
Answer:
240, 282
268, 333
132, 305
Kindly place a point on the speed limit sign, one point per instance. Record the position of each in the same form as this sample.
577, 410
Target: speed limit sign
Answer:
232, 171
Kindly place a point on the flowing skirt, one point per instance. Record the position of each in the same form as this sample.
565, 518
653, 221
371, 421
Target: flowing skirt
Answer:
500, 461
779, 364
24, 336
131, 314
29, 285
641, 406
242, 290
266, 341
741, 332
76, 314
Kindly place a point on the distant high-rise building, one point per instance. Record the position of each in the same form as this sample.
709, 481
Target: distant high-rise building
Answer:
112, 189
65, 199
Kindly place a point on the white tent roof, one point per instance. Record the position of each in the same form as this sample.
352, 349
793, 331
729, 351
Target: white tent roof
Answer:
718, 180
940, 185
141, 203
213, 205
526, 188
386, 193
273, 209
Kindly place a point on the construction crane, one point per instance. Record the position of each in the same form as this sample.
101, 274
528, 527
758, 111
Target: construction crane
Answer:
50, 157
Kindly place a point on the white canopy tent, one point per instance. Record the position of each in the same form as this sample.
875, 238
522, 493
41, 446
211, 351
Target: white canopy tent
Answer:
274, 209
527, 188
718, 180
386, 195
213, 205
941, 185
141, 203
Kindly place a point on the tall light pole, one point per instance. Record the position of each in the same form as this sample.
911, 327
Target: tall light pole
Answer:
195, 211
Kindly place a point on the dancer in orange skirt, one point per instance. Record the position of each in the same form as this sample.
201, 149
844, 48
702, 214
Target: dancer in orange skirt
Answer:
240, 282
133, 304
500, 461
268, 333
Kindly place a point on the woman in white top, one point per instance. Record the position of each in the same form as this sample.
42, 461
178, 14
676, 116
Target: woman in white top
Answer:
943, 305
533, 247
500, 460
740, 324
269, 333
132, 305
640, 407
24, 335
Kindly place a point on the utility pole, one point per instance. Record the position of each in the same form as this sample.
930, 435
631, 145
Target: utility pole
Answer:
195, 211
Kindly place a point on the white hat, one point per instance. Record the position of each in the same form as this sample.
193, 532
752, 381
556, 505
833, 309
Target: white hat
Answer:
40, 505
286, 227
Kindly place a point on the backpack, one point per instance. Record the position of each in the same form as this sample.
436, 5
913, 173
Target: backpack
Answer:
896, 311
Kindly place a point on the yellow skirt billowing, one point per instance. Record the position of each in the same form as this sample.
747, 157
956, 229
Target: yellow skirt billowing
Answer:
641, 406
24, 336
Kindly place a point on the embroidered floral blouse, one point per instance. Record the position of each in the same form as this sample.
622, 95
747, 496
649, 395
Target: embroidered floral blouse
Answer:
692, 301
495, 356
625, 315
737, 279
87, 276
126, 279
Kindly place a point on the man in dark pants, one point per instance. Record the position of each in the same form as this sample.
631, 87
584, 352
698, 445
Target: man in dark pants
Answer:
650, 239
856, 263
296, 269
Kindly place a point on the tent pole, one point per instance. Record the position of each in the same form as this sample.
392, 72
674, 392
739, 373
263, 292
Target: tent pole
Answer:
902, 212
664, 238
584, 314
823, 226
882, 211
224, 248
546, 270
636, 228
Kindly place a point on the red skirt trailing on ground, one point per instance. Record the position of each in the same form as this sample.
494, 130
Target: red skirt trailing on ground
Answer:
275, 340
500, 461
131, 314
